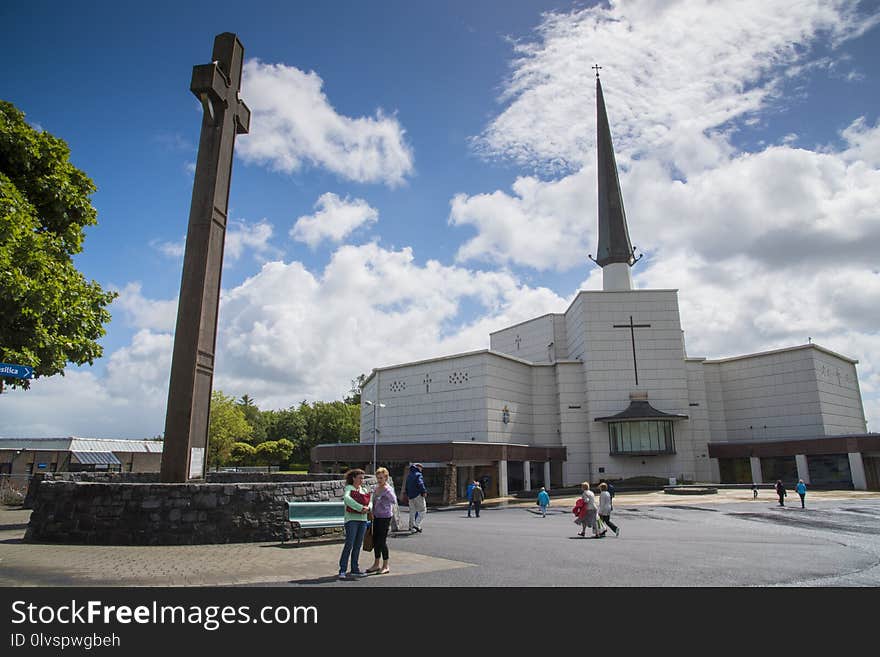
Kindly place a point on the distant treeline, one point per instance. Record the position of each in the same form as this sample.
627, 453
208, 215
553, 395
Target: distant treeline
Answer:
241, 434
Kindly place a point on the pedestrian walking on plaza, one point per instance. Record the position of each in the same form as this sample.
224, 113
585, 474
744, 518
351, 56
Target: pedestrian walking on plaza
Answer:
477, 497
801, 489
610, 490
470, 496
588, 510
357, 502
781, 492
605, 509
383, 503
417, 493
754, 491
543, 501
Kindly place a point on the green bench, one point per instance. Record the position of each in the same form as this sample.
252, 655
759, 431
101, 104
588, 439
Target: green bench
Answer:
315, 515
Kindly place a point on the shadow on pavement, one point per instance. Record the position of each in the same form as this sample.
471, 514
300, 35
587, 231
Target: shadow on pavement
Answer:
320, 580
292, 545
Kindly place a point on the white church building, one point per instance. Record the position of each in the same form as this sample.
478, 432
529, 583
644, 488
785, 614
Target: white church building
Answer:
605, 389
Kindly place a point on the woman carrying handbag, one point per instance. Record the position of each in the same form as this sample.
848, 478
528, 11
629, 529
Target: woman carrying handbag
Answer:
357, 503
384, 500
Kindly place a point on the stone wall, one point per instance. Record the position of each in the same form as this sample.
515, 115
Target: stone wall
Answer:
172, 514
154, 478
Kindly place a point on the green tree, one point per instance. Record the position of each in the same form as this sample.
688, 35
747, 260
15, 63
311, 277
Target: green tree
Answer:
242, 454
274, 452
327, 422
51, 314
226, 426
286, 423
255, 418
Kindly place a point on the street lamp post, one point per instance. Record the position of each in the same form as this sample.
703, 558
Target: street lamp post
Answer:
376, 406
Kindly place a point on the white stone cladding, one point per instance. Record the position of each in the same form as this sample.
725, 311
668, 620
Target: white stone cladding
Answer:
839, 396
545, 381
509, 387
699, 423
539, 340
715, 400
788, 393
436, 400
573, 414
610, 376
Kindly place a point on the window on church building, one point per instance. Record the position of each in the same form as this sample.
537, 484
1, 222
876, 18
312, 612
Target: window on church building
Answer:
642, 437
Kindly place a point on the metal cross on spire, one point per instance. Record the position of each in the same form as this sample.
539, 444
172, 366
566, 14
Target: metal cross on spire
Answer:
597, 67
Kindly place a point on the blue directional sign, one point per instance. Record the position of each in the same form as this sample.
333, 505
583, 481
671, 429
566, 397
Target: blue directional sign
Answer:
16, 371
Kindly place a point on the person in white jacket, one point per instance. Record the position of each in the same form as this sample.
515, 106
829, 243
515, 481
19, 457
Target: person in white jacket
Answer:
605, 509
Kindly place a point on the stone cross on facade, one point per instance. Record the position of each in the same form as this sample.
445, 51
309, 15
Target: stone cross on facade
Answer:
216, 85
632, 330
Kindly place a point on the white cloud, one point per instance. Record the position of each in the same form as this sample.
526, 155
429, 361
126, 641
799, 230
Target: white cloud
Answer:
864, 142
545, 225
676, 75
143, 313
243, 236
334, 220
170, 249
293, 123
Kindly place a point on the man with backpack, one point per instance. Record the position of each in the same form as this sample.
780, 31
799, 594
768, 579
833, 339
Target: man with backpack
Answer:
417, 493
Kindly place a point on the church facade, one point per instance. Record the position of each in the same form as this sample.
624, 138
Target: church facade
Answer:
606, 390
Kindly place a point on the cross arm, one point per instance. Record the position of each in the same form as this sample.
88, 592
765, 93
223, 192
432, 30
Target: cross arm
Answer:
242, 118
209, 79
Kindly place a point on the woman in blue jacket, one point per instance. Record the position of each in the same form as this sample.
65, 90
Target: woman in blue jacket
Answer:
801, 489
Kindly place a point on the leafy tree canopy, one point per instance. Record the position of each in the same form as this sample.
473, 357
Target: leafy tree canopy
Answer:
242, 454
274, 452
52, 314
226, 426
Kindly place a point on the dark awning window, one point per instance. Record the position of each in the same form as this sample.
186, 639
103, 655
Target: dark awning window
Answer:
640, 409
96, 458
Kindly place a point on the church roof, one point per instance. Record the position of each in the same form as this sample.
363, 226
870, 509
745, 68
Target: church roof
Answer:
614, 242
640, 409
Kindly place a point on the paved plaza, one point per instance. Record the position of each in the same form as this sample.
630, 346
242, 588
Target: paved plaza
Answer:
719, 540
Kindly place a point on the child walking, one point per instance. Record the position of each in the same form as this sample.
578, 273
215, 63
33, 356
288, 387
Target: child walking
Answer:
543, 501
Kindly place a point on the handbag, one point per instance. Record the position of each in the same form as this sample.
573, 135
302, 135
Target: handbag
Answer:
368, 539
361, 498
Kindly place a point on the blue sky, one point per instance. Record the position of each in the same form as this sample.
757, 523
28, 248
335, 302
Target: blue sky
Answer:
420, 174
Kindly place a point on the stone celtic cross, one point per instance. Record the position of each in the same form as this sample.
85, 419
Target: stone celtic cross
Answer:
216, 85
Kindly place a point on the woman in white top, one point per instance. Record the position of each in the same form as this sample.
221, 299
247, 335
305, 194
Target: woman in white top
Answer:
605, 509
